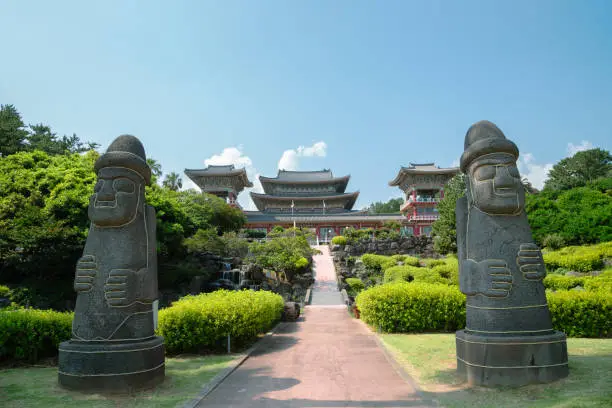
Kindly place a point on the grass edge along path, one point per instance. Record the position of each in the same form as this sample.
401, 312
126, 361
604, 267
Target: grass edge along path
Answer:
430, 360
38, 387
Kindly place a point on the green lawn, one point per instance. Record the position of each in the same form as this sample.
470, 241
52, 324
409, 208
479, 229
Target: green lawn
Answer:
37, 387
430, 359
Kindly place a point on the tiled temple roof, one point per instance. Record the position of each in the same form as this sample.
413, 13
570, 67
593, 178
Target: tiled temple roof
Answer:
219, 171
348, 198
422, 169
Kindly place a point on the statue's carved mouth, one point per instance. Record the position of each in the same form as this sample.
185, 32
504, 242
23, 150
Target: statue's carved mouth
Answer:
100, 204
505, 191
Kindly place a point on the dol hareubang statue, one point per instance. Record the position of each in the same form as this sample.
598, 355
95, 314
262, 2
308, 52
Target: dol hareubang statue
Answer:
113, 345
508, 338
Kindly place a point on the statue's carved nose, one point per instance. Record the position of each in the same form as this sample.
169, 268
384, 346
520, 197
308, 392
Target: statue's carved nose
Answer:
503, 179
106, 193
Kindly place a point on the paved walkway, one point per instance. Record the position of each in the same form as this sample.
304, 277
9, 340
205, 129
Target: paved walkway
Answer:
325, 359
325, 291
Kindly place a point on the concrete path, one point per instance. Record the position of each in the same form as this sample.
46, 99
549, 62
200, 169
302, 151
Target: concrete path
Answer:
325, 359
325, 291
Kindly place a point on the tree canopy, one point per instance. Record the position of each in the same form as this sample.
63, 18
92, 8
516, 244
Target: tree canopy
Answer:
444, 229
390, 207
16, 137
576, 171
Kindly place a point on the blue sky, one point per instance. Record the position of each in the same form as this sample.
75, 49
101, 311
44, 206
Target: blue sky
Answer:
363, 87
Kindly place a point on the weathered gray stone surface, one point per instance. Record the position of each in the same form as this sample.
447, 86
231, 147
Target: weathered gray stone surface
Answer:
508, 339
113, 346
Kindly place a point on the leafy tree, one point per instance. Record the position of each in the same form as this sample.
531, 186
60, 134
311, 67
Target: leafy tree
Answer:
43, 220
580, 215
444, 228
390, 207
578, 170
13, 133
156, 169
173, 181
44, 223
42, 138
287, 254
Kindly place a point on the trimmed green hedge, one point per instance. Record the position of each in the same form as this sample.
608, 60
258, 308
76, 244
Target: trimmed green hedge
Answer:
355, 286
412, 307
30, 334
440, 274
402, 307
579, 258
562, 282
339, 240
581, 313
204, 321
378, 263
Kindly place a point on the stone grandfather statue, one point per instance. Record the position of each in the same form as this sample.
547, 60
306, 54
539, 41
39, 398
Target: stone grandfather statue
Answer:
508, 339
113, 346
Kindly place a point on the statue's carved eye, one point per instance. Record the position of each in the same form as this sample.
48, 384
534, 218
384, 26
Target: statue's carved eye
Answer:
486, 172
98, 186
123, 185
513, 171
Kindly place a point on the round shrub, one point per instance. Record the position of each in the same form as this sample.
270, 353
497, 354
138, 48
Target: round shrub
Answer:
339, 240
204, 321
412, 307
562, 282
578, 258
377, 263
409, 273
430, 263
581, 313
553, 241
30, 334
355, 285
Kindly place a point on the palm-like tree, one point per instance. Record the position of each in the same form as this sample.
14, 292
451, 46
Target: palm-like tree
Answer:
155, 167
173, 181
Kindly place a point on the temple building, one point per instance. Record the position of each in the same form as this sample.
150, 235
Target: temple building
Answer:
319, 201
316, 200
423, 186
225, 182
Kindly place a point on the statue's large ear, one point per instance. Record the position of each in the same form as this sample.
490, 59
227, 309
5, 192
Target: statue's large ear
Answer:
468, 190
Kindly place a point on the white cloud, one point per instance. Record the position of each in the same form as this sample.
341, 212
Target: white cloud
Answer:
455, 163
230, 155
234, 155
290, 159
572, 149
534, 172
538, 173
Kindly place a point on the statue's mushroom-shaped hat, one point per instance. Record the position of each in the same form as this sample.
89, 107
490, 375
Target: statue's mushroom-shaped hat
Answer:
483, 138
126, 151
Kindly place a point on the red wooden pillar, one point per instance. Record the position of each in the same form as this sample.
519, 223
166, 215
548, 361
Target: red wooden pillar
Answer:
441, 193
417, 230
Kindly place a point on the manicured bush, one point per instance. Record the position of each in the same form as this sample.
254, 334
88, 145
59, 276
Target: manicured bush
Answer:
5, 291
377, 263
204, 321
581, 313
411, 260
339, 240
579, 258
601, 283
562, 282
412, 307
409, 273
355, 285
30, 334
553, 241
430, 263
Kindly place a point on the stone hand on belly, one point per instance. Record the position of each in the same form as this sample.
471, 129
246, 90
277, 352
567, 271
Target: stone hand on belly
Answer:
85, 273
530, 262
